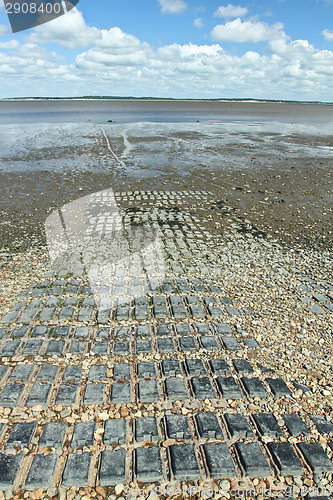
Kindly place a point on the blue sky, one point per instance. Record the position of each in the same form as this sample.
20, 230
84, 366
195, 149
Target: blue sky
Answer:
271, 49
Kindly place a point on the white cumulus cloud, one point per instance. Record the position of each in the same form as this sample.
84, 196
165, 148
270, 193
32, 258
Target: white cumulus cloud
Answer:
69, 30
172, 6
328, 35
198, 23
231, 11
238, 31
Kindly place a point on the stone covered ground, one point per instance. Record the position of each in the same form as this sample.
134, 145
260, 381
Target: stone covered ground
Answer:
211, 381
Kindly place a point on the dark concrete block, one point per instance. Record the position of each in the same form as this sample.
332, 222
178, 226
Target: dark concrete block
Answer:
115, 432
53, 435
21, 373
166, 345
112, 470
163, 330
222, 328
32, 347
47, 373
94, 394
9, 349
146, 369
242, 366
184, 464
209, 343
72, 373
315, 456
278, 387
295, 425
123, 332
171, 367
230, 343
238, 426
67, 394
148, 392
55, 347
39, 394
285, 458
175, 389
195, 367
148, 464
82, 332
219, 367
41, 472
183, 329
122, 371
254, 387
143, 346
76, 471
78, 347
9, 467
250, 342
323, 425
202, 388
10, 395
219, 461
146, 430
229, 388
61, 331
187, 344
253, 460
267, 425
21, 435
97, 373
208, 426
83, 434
121, 392
177, 427
121, 347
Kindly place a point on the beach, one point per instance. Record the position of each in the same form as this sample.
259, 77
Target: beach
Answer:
197, 298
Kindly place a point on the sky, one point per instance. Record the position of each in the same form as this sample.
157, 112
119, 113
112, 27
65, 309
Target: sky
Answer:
206, 49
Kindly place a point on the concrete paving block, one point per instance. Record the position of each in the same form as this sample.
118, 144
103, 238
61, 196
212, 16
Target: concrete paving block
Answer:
115, 432
147, 391
121, 347
183, 329
254, 387
78, 347
21, 435
32, 347
61, 331
278, 387
83, 434
208, 426
148, 464
143, 346
242, 366
21, 373
38, 395
184, 464
9, 467
82, 332
123, 332
219, 461
171, 367
315, 457
146, 369
253, 460
41, 472
143, 331
146, 430
175, 389
163, 330
4, 370
177, 427
187, 344
219, 367
166, 345
250, 342
229, 388
286, 460
195, 367
47, 373
77, 469
121, 392
97, 373
295, 425
222, 328
17, 332
122, 371
10, 395
230, 343
94, 394
67, 394
267, 425
238, 426
202, 388
113, 467
209, 343
9, 349
72, 373
55, 347
53, 435
322, 424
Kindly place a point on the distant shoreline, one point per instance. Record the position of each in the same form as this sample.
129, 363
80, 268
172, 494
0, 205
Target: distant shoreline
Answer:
162, 99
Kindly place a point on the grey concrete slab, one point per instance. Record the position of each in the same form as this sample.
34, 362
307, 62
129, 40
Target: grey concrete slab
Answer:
219, 367
9, 467
278, 387
10, 347
147, 391
47, 373
254, 387
38, 394
184, 464
94, 394
76, 472
73, 373
55, 347
219, 461
202, 388
21, 373
242, 366
115, 432
175, 389
121, 347
41, 473
267, 425
295, 425
285, 459
250, 342
315, 457
323, 425
113, 467
177, 427
121, 392
229, 388
97, 373
222, 328
253, 460
122, 371
166, 345
230, 343
10, 395
146, 430
238, 426
146, 369
67, 394
21, 435
83, 434
32, 347
195, 367
209, 343
148, 464
53, 435
208, 426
